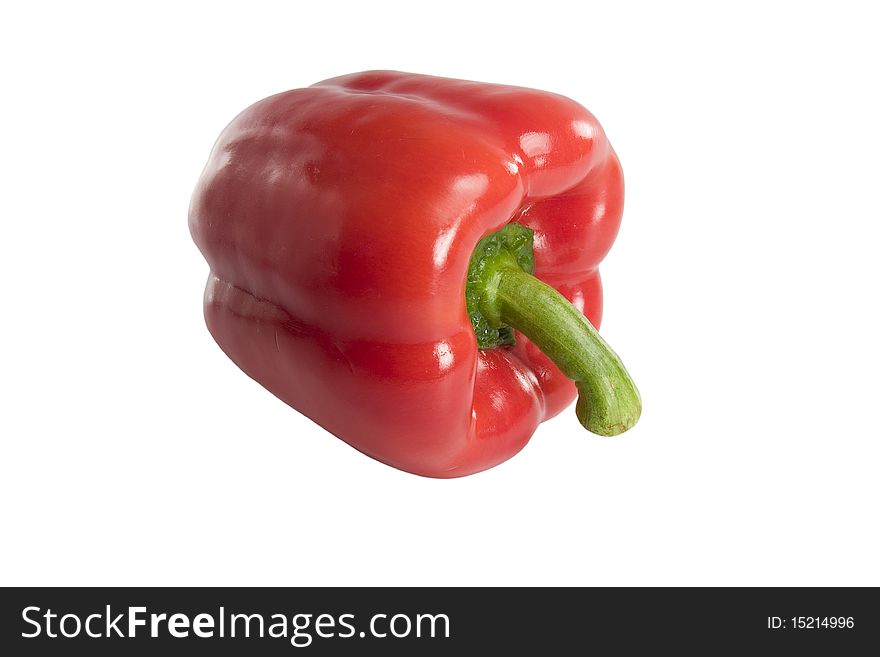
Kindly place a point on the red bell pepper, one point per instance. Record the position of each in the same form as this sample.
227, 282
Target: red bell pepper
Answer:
372, 241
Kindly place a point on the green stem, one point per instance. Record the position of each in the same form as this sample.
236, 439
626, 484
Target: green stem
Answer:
504, 294
608, 401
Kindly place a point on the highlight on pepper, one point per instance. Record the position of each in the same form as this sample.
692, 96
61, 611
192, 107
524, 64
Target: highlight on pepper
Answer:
412, 262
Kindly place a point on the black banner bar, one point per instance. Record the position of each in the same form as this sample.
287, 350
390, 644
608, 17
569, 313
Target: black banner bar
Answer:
435, 621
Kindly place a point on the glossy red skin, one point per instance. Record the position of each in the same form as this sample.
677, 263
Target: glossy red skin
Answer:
339, 221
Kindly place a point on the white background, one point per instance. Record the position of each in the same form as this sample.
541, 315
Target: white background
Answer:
742, 294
